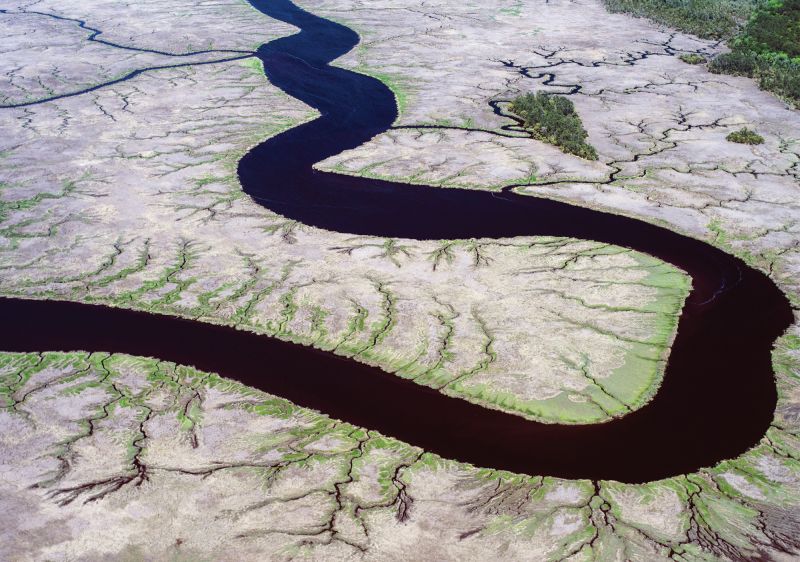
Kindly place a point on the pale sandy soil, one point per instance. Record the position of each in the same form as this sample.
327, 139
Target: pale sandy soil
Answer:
127, 195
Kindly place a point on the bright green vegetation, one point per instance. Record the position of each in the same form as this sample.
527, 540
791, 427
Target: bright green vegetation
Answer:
693, 58
399, 86
629, 387
136, 412
773, 29
705, 18
156, 392
764, 35
745, 136
553, 119
768, 49
254, 64
269, 300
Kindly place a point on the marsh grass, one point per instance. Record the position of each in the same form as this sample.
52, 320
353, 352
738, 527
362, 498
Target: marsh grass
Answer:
693, 58
745, 136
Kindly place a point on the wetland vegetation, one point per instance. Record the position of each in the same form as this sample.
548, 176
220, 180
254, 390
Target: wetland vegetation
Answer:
553, 119
693, 58
764, 36
745, 136
705, 18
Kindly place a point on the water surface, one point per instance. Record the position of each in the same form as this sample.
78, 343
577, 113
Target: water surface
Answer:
718, 395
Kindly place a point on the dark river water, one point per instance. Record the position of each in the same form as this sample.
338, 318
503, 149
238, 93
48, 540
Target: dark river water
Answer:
718, 395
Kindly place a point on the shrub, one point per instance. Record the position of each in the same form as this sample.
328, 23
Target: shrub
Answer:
693, 58
706, 18
783, 78
553, 119
745, 136
765, 35
770, 43
779, 76
773, 29
735, 63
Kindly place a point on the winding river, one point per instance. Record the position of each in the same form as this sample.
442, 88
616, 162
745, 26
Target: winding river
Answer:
718, 396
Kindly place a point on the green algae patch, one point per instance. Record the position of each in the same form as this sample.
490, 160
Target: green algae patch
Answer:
603, 396
254, 64
562, 408
638, 379
630, 386
399, 86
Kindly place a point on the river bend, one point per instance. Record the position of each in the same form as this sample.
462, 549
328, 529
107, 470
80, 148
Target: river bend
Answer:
718, 395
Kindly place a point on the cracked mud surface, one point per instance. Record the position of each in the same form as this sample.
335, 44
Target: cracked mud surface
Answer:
658, 123
127, 195
184, 464
151, 216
